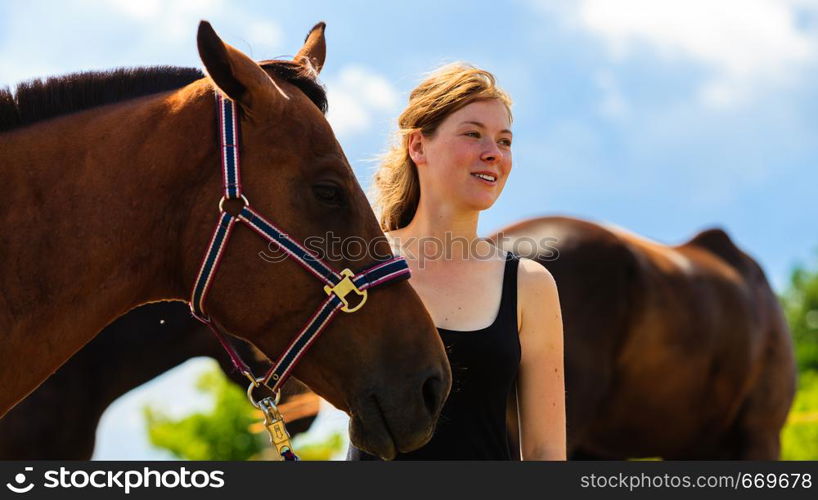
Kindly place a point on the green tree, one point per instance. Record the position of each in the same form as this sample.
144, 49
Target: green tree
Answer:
220, 434
232, 430
800, 303
799, 438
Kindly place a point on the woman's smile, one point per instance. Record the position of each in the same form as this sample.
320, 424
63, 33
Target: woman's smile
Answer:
485, 178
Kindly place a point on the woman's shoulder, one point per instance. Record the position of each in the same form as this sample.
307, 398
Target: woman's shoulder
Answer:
531, 273
536, 287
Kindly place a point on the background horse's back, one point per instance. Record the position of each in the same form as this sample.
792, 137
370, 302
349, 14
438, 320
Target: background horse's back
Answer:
673, 351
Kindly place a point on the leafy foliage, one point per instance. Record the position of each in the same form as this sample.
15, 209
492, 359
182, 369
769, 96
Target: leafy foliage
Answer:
800, 303
799, 438
220, 434
232, 430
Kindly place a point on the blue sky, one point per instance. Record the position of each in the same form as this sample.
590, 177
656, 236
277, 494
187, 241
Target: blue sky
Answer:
663, 117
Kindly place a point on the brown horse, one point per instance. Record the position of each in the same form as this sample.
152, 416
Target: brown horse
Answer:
680, 352
132, 350
112, 204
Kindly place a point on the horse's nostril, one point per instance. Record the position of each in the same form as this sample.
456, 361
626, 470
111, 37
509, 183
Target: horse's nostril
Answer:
432, 394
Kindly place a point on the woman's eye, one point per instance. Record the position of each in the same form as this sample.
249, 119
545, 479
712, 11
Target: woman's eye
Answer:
506, 142
328, 194
473, 134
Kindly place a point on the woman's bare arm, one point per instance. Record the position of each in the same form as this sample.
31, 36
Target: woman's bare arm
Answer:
541, 381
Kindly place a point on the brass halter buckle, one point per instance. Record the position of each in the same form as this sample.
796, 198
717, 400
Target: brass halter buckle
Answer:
274, 423
343, 288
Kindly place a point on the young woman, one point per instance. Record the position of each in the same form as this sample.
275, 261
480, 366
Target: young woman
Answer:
498, 315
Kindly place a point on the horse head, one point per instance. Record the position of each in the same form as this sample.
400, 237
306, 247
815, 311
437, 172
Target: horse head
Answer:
383, 364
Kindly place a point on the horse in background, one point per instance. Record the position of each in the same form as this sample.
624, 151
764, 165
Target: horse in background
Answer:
680, 352
131, 351
112, 182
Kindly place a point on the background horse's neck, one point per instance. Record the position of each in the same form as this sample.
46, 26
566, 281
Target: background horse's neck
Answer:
95, 212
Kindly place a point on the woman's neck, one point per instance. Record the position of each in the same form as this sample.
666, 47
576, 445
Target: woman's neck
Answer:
440, 228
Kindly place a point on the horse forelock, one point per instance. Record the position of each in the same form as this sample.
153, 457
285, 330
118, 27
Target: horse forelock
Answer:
302, 76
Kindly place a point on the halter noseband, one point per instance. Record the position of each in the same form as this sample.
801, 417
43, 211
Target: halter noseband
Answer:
337, 286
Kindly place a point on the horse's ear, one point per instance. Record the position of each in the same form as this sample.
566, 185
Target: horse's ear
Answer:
231, 70
315, 47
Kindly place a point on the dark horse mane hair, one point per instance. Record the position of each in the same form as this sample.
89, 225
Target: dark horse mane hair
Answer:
38, 100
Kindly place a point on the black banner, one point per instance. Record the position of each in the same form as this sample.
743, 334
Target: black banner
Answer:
420, 480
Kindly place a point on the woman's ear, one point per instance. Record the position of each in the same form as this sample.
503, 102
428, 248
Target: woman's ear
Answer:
415, 147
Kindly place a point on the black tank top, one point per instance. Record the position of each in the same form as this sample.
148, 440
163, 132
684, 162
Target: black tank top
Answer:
484, 363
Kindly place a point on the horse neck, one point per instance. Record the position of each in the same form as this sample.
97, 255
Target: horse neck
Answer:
96, 204
142, 345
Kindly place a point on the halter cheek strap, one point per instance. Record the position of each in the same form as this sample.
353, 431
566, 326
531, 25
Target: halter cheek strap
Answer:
337, 286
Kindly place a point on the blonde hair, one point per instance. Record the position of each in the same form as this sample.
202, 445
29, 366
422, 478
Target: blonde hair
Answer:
444, 91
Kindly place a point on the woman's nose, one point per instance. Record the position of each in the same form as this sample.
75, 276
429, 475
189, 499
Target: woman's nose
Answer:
491, 153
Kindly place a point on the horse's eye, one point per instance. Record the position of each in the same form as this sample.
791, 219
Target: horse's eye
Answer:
329, 194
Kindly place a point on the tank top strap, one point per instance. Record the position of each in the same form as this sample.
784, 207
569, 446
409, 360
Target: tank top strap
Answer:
508, 303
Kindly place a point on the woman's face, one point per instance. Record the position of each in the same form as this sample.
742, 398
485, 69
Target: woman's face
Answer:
468, 159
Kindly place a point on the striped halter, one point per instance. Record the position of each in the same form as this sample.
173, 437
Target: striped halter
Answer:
337, 286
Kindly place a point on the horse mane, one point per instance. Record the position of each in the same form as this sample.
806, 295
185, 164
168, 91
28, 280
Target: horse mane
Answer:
39, 100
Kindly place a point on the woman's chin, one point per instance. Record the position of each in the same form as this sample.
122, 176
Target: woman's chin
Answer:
480, 203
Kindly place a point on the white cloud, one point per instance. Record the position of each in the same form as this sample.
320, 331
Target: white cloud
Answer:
144, 9
151, 10
356, 96
746, 45
741, 36
126, 33
173, 20
346, 113
264, 34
